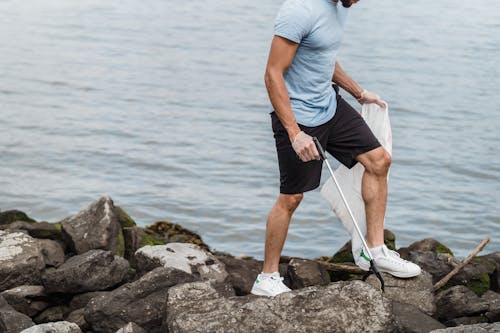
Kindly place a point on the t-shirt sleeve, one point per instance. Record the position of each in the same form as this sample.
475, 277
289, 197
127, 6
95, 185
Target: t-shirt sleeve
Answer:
293, 21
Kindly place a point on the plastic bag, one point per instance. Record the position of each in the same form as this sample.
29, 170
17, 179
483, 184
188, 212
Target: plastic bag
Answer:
349, 180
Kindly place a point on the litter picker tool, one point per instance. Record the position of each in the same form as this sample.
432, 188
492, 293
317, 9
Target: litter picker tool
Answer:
373, 267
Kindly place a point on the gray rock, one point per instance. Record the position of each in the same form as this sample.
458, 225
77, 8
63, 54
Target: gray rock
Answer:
353, 306
78, 318
95, 227
492, 260
91, 271
410, 319
242, 272
437, 264
133, 237
43, 230
478, 328
53, 252
459, 301
142, 302
29, 300
21, 260
305, 273
466, 321
56, 327
493, 300
12, 321
51, 314
186, 257
417, 291
131, 328
81, 300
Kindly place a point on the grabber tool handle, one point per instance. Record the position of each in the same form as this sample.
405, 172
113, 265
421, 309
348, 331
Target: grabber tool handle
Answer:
321, 152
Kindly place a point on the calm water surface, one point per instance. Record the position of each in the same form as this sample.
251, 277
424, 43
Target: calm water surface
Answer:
161, 105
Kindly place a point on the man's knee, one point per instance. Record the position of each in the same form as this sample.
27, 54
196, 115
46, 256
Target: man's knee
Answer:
290, 201
380, 164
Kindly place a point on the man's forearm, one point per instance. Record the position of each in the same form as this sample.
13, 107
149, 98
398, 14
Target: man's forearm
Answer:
280, 100
346, 82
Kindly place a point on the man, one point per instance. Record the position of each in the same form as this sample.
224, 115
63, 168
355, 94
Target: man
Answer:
300, 70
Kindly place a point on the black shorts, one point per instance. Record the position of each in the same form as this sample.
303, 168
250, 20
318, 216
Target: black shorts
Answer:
345, 136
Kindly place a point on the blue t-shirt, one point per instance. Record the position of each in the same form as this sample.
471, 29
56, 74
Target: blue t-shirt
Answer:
317, 26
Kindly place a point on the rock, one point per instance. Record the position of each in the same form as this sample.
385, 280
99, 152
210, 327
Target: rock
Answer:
141, 302
410, 319
131, 328
459, 301
56, 327
354, 306
95, 227
10, 216
123, 218
78, 318
133, 237
466, 321
305, 273
21, 260
53, 253
164, 232
94, 270
428, 244
345, 254
242, 272
417, 291
474, 276
41, 230
12, 321
51, 314
81, 300
189, 258
493, 300
29, 300
437, 264
492, 262
478, 328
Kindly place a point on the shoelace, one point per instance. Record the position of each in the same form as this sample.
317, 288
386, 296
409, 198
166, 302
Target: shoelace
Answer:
400, 261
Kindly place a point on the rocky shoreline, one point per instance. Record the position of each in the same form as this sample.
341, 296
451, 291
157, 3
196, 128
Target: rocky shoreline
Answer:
97, 271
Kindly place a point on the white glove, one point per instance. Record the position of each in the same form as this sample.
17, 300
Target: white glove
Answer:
368, 97
304, 146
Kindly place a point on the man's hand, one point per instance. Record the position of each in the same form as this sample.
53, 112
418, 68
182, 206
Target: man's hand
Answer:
304, 146
368, 97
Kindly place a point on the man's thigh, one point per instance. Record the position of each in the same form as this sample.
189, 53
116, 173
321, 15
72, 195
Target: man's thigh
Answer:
349, 135
296, 176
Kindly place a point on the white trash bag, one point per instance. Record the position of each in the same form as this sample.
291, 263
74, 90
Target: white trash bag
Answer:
349, 180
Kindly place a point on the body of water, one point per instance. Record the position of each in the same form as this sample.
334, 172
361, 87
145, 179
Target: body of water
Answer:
161, 105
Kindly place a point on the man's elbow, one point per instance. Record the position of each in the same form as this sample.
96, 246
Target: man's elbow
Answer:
271, 75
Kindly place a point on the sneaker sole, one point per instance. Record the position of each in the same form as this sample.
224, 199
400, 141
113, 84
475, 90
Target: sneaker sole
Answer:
402, 275
396, 274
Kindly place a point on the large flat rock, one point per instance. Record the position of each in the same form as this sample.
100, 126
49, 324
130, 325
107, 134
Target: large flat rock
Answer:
338, 307
186, 257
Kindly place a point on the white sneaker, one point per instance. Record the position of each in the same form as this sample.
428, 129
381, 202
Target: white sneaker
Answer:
269, 286
390, 262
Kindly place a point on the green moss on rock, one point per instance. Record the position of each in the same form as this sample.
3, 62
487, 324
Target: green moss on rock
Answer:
125, 220
151, 238
10, 216
120, 250
441, 248
390, 239
481, 285
169, 232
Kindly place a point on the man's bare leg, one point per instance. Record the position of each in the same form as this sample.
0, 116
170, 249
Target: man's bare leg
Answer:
277, 229
374, 192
